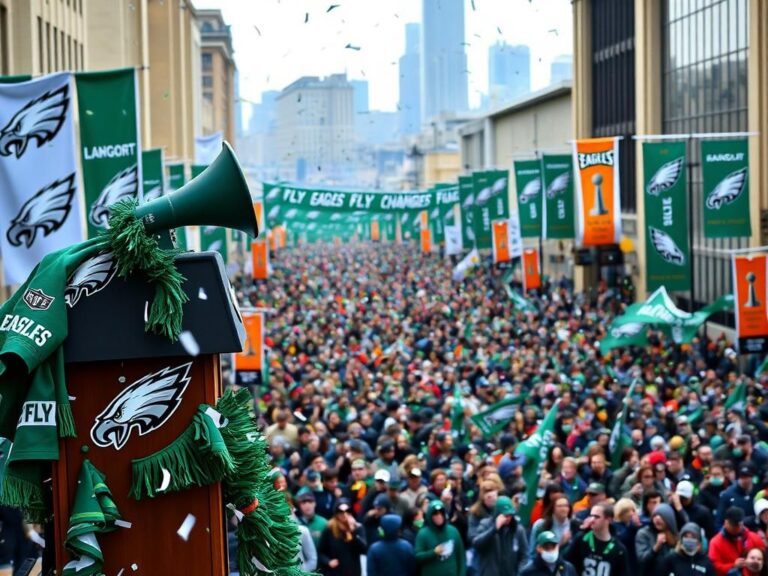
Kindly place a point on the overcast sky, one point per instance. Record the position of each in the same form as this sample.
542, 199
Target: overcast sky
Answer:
274, 45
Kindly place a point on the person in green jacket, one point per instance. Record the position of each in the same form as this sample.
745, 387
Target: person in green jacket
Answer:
439, 549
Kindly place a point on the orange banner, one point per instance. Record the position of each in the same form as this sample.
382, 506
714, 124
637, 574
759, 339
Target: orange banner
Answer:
751, 298
598, 204
426, 241
501, 241
531, 274
375, 236
424, 216
260, 255
252, 357
280, 236
258, 208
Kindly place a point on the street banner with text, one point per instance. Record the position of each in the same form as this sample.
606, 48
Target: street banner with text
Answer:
557, 182
598, 200
751, 302
110, 141
249, 363
507, 242
725, 187
467, 202
481, 217
176, 180
528, 188
260, 256
667, 253
152, 183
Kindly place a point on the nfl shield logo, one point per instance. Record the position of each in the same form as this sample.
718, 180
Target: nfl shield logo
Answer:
37, 299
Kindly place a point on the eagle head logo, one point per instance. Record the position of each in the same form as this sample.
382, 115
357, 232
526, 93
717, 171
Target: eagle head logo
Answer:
45, 212
666, 246
39, 120
666, 177
124, 184
145, 405
91, 276
727, 190
530, 191
558, 185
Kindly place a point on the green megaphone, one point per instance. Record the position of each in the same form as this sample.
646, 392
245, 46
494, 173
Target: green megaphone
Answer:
219, 196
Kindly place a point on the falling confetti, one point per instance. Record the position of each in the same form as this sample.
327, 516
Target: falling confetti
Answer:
298, 97
166, 481
473, 4
186, 527
306, 17
146, 311
134, 567
201, 294
554, 31
190, 344
332, 7
299, 415
498, 29
123, 524
352, 47
257, 29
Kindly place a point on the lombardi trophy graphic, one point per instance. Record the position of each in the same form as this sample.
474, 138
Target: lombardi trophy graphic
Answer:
752, 301
599, 208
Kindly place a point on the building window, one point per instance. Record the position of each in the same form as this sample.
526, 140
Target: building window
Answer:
69, 52
64, 63
704, 63
207, 61
40, 44
55, 41
613, 85
48, 45
207, 81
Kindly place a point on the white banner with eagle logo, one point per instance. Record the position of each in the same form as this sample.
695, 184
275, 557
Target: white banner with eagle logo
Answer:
39, 202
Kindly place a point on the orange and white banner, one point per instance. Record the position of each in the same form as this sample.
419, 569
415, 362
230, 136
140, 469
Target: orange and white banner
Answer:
251, 359
598, 201
260, 255
426, 241
258, 208
531, 274
375, 233
280, 234
507, 241
751, 301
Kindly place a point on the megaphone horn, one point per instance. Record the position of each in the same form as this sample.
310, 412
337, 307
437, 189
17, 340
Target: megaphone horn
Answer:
219, 196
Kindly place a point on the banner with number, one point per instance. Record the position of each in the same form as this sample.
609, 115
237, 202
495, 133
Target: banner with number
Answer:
39, 196
110, 141
249, 363
557, 182
467, 203
152, 174
528, 188
531, 273
598, 200
667, 253
725, 186
751, 302
507, 242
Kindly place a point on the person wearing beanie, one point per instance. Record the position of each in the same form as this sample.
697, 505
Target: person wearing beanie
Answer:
500, 542
391, 554
689, 558
698, 514
759, 522
439, 549
729, 547
657, 540
382, 505
740, 493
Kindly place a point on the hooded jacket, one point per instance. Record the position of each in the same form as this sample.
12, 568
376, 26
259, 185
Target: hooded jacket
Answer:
391, 554
652, 561
500, 552
427, 539
681, 564
540, 568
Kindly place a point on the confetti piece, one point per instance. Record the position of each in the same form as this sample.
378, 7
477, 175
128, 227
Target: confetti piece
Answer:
71, 398
352, 47
257, 29
260, 566
134, 567
36, 538
123, 524
146, 311
306, 17
186, 527
473, 4
332, 7
166, 481
201, 294
189, 343
121, 572
300, 416
239, 515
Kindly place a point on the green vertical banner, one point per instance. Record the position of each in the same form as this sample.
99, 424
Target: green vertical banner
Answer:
198, 169
725, 183
214, 239
667, 251
499, 194
388, 229
176, 181
152, 173
436, 223
467, 202
110, 141
481, 217
528, 188
557, 181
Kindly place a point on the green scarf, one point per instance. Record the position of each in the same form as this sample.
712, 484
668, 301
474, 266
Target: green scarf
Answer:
93, 512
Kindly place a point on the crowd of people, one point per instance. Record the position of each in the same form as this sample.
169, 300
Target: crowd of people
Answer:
371, 347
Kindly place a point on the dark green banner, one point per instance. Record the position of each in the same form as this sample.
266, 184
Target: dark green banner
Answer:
152, 173
198, 169
667, 252
467, 201
725, 175
499, 194
528, 186
109, 140
557, 181
176, 175
481, 218
446, 196
214, 239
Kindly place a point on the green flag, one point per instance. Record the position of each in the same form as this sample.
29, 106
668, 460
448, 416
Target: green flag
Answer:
619, 439
536, 450
481, 217
110, 141
762, 369
528, 186
737, 399
467, 199
630, 334
497, 416
214, 239
152, 174
519, 301
725, 183
557, 182
667, 251
457, 415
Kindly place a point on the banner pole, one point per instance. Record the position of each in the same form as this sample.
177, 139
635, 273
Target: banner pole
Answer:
689, 192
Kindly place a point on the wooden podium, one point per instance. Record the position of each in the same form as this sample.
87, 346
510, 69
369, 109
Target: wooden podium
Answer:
110, 359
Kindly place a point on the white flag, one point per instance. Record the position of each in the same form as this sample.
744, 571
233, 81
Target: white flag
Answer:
39, 196
514, 237
207, 148
453, 241
470, 261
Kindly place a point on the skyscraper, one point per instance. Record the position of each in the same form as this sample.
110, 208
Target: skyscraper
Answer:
561, 69
410, 82
509, 72
361, 95
443, 60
